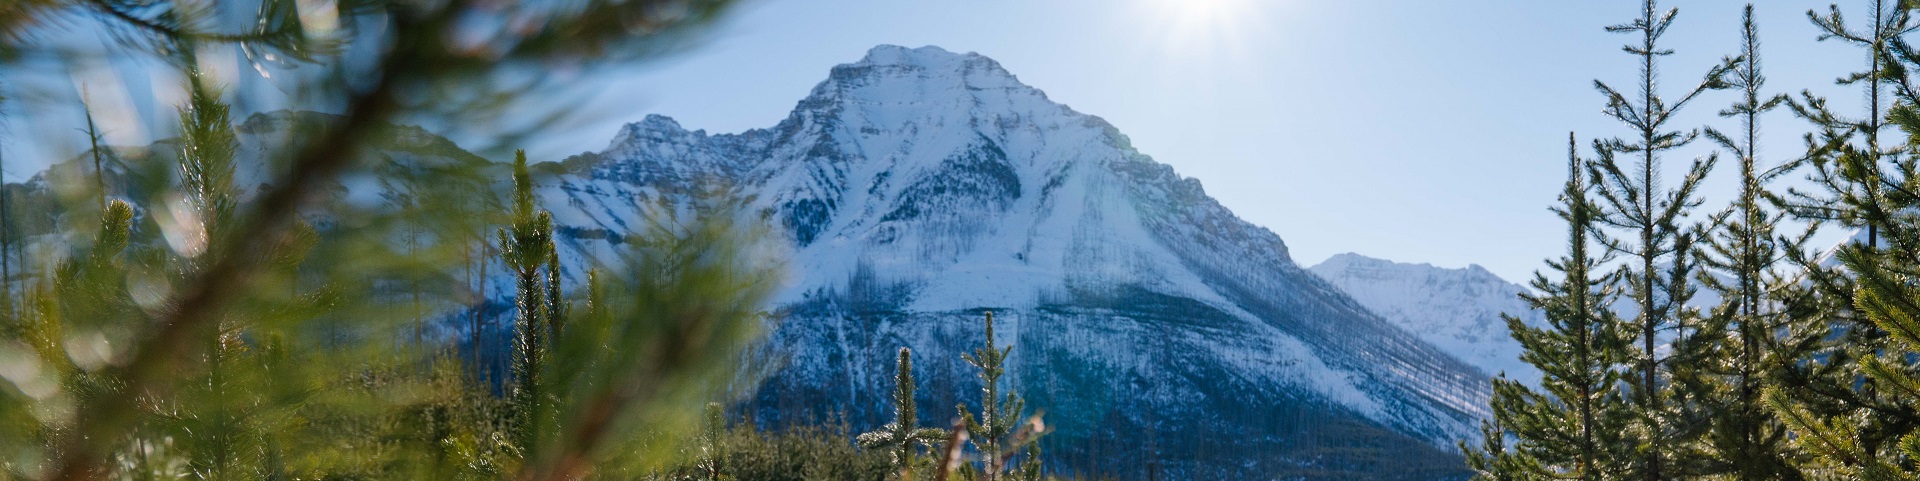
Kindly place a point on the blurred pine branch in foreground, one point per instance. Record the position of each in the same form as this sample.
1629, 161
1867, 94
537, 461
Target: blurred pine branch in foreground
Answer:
198, 327
220, 307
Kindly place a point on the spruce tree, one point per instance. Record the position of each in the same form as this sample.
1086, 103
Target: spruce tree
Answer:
900, 436
556, 303
1650, 227
1747, 442
1572, 428
207, 147
1493, 460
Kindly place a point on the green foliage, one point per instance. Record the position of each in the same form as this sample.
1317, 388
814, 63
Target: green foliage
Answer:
1845, 399
900, 436
192, 327
525, 247
999, 433
1805, 371
1649, 225
1747, 442
792, 453
1573, 428
207, 147
804, 453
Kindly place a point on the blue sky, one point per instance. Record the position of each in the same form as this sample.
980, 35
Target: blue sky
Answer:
1415, 130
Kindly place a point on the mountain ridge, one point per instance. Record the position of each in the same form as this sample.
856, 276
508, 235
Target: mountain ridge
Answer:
919, 187
1459, 310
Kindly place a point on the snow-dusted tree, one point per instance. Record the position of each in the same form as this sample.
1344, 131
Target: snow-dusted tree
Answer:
900, 436
1571, 428
1649, 226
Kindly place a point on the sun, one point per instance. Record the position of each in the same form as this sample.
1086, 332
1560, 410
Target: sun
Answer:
1195, 26
1207, 9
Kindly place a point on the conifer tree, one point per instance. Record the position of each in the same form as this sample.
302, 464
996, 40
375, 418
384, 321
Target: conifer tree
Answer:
225, 447
998, 433
1573, 429
1652, 230
1875, 433
900, 436
525, 246
1866, 182
556, 303
1882, 444
1746, 441
207, 147
1886, 51
1493, 460
1030, 467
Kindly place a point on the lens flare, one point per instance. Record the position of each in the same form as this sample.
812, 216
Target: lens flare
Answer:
1200, 28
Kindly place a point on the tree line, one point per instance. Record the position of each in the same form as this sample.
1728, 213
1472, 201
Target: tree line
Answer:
1805, 369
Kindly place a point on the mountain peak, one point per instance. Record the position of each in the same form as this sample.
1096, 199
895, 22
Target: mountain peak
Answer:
926, 56
654, 127
660, 122
932, 59
893, 71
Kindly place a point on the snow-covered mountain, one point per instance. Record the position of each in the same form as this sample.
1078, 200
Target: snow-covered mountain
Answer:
1164, 336
915, 189
1458, 310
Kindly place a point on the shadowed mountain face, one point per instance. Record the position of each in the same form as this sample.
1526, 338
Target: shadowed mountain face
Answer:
1163, 336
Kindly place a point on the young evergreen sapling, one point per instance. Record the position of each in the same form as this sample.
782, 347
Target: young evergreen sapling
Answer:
1748, 442
1651, 228
1573, 428
902, 435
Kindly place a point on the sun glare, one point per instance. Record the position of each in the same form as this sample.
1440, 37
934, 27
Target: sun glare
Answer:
1189, 27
